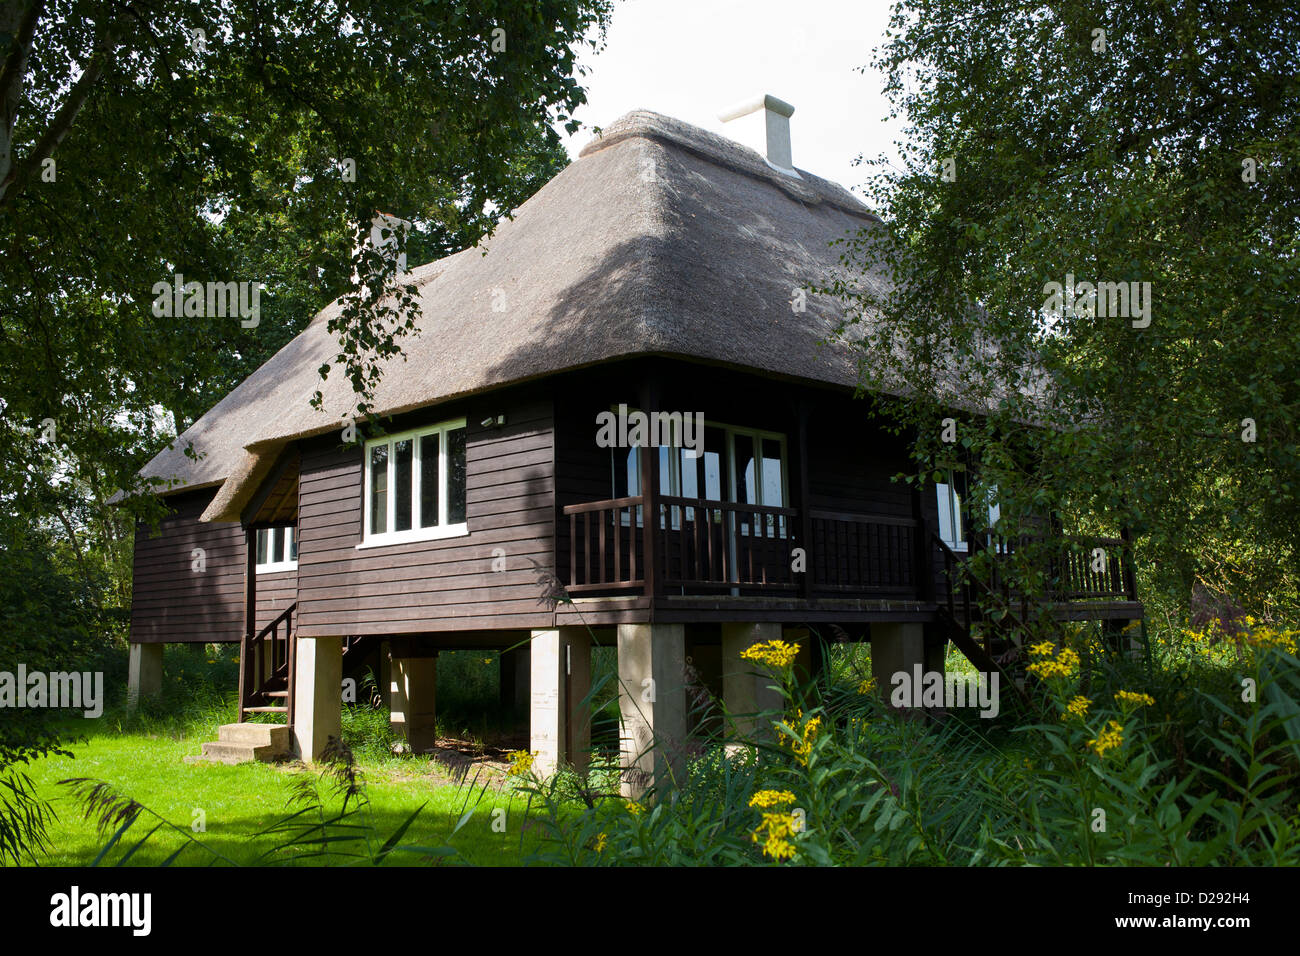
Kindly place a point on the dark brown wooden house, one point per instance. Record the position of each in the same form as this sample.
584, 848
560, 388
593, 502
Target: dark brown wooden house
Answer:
655, 275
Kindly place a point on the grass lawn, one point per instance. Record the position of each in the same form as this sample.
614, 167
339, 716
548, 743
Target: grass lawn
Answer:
238, 802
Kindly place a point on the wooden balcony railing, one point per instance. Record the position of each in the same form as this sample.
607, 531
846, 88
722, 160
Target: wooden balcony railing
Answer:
717, 545
859, 553
1074, 568
703, 547
603, 550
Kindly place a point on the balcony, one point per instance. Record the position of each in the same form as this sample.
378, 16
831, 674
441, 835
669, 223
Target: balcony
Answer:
702, 548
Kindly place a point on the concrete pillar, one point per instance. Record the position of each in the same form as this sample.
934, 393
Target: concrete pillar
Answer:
750, 691
896, 648
144, 673
559, 724
318, 694
414, 708
936, 649
652, 705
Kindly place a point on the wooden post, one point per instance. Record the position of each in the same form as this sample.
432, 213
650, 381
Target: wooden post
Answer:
805, 498
250, 615
924, 568
649, 458
1127, 569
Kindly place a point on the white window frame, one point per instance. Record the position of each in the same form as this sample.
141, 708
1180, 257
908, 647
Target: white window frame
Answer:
442, 529
270, 567
953, 505
950, 504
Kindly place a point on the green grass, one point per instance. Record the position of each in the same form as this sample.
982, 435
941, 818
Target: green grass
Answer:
238, 802
142, 756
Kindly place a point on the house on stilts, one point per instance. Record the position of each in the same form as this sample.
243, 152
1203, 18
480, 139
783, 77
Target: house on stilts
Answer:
650, 281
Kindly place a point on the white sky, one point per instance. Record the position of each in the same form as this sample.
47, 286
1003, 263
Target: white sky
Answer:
693, 58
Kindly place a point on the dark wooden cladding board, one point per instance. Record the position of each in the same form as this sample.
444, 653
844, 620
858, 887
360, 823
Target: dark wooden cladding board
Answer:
172, 603
445, 583
520, 476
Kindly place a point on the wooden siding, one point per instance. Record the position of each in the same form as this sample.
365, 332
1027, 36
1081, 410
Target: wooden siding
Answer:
442, 584
171, 603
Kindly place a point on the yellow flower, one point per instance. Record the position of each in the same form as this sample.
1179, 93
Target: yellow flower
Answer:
777, 654
600, 843
1265, 638
521, 761
1064, 664
1126, 699
867, 686
801, 746
1077, 708
1043, 649
634, 808
772, 833
1108, 739
771, 798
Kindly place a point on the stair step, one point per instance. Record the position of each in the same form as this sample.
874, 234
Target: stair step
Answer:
219, 752
277, 693
266, 710
275, 736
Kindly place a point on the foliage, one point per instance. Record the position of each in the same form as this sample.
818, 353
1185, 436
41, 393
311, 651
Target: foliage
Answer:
1123, 142
841, 779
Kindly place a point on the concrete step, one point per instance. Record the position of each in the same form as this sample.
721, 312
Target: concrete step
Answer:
219, 752
274, 736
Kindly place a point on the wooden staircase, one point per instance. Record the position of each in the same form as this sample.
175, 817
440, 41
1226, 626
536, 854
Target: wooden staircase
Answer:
266, 665
983, 621
266, 669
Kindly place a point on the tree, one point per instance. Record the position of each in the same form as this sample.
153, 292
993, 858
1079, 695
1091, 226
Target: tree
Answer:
234, 143
1095, 231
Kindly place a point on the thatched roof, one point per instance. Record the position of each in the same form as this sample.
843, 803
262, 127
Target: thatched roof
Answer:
661, 238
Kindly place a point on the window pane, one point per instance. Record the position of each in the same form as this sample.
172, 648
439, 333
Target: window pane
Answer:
773, 493
944, 500
293, 543
277, 545
261, 546
715, 450
456, 476
379, 489
632, 473
746, 490
429, 471
403, 465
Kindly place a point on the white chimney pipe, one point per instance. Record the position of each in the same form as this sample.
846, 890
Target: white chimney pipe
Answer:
776, 120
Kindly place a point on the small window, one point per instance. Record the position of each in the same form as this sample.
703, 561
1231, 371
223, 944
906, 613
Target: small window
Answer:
415, 485
951, 528
953, 508
277, 550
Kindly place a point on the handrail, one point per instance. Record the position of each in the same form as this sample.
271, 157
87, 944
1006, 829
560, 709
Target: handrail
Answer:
606, 505
706, 504
254, 678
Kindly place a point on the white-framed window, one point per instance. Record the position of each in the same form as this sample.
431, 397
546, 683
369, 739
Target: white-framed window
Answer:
952, 527
415, 485
953, 507
739, 465
277, 550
